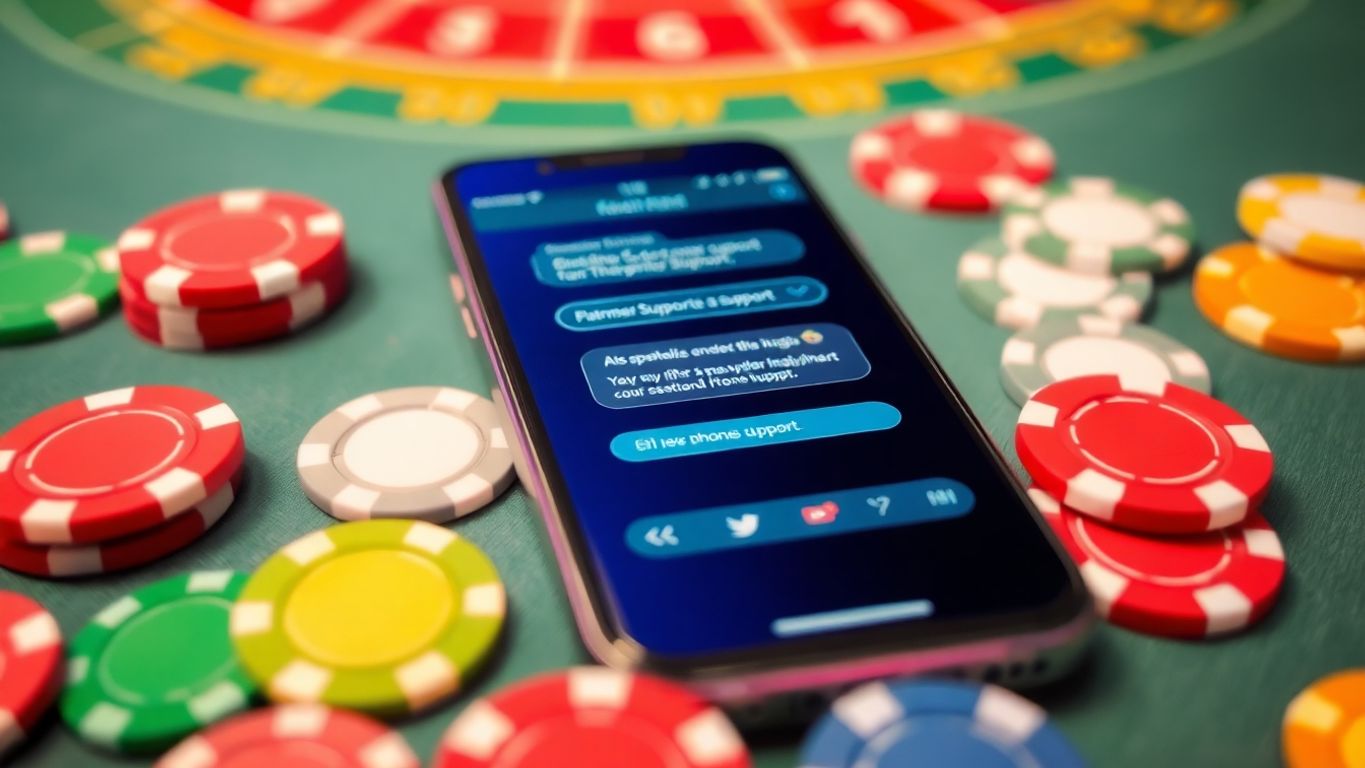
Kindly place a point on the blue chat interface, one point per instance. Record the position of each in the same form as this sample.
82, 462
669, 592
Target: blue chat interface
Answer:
751, 447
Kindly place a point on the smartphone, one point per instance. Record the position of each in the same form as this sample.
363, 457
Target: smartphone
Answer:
755, 477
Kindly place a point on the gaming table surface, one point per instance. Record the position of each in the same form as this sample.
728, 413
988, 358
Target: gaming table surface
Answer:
113, 108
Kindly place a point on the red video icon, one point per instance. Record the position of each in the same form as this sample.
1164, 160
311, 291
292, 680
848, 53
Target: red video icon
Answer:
820, 514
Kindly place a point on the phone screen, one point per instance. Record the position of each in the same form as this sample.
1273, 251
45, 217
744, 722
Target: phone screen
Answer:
749, 444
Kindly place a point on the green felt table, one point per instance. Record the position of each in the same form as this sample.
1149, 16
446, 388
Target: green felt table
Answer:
90, 148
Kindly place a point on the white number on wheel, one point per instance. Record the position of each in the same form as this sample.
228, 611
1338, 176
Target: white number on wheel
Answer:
463, 31
671, 36
877, 19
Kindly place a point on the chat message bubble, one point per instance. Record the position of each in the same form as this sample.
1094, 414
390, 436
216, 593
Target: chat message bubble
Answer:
691, 303
647, 255
724, 364
673, 442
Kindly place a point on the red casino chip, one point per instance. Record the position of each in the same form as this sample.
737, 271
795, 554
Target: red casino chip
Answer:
1161, 460
937, 159
31, 662
592, 717
215, 328
233, 249
294, 734
115, 463
153, 333
1193, 586
276, 315
58, 561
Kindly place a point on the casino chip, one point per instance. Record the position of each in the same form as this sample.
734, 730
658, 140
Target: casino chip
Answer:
294, 735
1314, 218
1097, 226
937, 159
1145, 456
1280, 306
1013, 289
592, 717
53, 282
1068, 347
1324, 726
431, 453
115, 463
1173, 586
387, 617
30, 666
157, 665
60, 561
926, 722
308, 306
233, 249
221, 327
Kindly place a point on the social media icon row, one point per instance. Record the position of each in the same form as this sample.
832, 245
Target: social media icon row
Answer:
772, 521
747, 525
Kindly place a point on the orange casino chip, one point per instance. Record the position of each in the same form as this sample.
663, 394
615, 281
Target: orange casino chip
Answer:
1281, 306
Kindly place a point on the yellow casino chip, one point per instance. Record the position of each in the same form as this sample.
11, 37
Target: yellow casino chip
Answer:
381, 616
1314, 218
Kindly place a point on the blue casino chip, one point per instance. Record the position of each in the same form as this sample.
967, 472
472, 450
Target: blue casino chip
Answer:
934, 723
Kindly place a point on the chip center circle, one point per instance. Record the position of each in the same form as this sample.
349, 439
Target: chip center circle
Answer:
105, 452
410, 448
951, 739
1278, 288
594, 737
954, 157
169, 653
1202, 557
295, 754
1111, 221
225, 242
1147, 441
1326, 215
1036, 279
1078, 356
368, 609
28, 282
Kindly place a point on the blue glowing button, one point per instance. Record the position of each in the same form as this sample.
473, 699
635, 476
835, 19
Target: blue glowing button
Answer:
753, 431
800, 517
691, 303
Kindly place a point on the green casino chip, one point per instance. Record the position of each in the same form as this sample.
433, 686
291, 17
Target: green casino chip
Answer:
53, 282
1098, 226
157, 665
1013, 289
1086, 345
387, 617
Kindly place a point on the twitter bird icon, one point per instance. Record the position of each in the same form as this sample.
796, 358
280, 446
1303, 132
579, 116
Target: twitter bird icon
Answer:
744, 526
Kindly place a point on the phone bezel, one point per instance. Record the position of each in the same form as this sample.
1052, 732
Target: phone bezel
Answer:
1068, 614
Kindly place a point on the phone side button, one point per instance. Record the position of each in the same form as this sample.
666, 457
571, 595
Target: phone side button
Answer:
469, 326
457, 288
